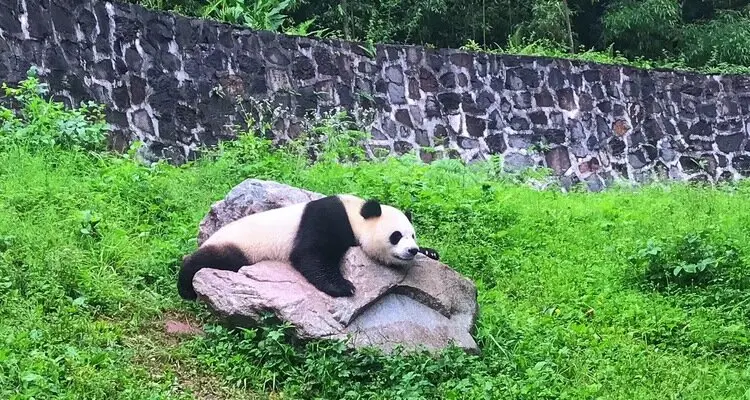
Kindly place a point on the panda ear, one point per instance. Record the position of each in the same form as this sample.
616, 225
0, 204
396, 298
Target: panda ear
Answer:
408, 215
371, 209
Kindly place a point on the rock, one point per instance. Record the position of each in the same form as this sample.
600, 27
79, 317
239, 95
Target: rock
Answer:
730, 143
519, 123
396, 93
467, 143
177, 328
544, 99
427, 81
522, 100
538, 117
741, 163
558, 159
432, 107
394, 74
621, 128
448, 80
565, 99
475, 126
426, 306
450, 101
556, 79
250, 197
403, 117
402, 147
496, 143
515, 162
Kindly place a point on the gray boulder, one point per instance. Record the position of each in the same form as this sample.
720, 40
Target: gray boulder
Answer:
250, 197
427, 306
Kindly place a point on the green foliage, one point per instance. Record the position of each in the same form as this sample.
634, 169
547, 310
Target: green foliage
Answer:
183, 7
707, 36
687, 261
545, 48
90, 244
305, 28
334, 139
724, 40
550, 22
256, 14
45, 123
647, 28
264, 359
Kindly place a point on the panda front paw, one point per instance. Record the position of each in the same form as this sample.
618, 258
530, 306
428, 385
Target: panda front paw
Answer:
343, 288
431, 253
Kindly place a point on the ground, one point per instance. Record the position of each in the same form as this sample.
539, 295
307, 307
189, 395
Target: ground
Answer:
630, 293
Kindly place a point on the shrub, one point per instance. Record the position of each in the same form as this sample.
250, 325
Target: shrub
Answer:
40, 122
692, 260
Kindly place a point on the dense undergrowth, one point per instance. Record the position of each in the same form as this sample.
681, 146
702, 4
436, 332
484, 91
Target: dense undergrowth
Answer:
709, 36
626, 294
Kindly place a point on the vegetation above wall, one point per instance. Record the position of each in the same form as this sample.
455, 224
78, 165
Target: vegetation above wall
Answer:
701, 35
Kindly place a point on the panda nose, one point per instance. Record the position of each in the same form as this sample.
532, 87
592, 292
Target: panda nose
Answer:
413, 251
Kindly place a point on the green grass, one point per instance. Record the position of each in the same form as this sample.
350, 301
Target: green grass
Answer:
544, 48
574, 302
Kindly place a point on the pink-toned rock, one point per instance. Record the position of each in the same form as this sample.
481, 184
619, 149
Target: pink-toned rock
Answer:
428, 305
178, 328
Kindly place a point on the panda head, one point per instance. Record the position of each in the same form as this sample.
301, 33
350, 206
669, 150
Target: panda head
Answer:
387, 234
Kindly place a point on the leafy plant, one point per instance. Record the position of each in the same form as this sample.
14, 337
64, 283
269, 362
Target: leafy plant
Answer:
260, 15
719, 42
643, 28
39, 122
550, 21
335, 138
692, 260
304, 28
267, 15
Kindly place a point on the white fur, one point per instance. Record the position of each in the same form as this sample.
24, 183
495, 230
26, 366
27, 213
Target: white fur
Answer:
269, 235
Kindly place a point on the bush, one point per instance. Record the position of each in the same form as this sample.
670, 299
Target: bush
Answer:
692, 260
40, 122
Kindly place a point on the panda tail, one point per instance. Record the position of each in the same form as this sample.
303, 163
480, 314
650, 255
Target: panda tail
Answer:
226, 258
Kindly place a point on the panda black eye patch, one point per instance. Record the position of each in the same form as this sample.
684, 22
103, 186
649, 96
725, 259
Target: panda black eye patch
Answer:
395, 237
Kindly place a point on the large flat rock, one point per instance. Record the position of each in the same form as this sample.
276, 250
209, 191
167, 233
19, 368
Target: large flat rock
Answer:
428, 305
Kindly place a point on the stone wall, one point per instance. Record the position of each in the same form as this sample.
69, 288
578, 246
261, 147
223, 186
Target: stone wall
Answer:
178, 83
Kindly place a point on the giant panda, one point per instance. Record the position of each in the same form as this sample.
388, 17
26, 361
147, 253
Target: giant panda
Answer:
313, 237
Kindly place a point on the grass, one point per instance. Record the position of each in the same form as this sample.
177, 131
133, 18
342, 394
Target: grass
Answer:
609, 56
576, 300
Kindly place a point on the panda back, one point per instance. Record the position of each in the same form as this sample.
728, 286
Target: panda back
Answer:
267, 235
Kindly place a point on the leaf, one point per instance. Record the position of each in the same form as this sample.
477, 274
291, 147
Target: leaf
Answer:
30, 377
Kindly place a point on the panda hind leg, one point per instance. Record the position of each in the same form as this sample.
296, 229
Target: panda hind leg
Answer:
325, 275
227, 258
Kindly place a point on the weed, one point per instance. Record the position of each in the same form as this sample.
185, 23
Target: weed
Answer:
43, 123
692, 260
545, 48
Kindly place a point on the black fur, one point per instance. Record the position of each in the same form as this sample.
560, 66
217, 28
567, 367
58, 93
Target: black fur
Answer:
227, 258
324, 236
371, 209
395, 237
430, 253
